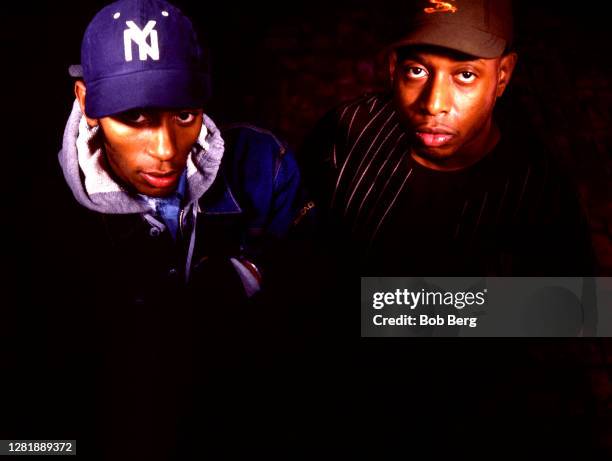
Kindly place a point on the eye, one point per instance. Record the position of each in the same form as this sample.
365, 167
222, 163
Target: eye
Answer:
467, 76
133, 117
416, 72
186, 117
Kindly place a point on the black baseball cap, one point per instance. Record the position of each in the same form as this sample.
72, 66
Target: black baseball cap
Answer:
481, 28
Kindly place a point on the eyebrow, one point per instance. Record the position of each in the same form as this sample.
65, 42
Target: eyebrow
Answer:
421, 56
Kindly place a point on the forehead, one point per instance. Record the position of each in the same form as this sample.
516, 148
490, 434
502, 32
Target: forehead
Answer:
439, 55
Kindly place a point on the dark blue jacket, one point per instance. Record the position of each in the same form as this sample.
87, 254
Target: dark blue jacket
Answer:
131, 348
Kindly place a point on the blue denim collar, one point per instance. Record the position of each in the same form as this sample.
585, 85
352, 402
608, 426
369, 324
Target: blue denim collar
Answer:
221, 201
168, 208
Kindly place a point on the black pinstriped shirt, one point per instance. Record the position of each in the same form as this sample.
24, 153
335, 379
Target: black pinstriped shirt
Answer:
511, 213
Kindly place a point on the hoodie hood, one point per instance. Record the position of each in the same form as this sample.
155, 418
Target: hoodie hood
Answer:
93, 187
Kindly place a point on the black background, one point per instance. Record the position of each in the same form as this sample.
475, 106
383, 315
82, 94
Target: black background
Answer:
282, 66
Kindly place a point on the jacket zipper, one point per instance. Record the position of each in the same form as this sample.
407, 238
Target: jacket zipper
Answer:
181, 213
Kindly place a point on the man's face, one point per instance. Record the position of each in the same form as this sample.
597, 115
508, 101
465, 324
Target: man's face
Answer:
446, 102
148, 149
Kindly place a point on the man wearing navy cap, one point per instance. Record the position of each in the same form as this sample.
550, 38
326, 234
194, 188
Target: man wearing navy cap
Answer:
168, 228
425, 180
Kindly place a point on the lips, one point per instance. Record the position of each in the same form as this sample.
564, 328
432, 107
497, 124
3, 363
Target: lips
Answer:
432, 136
160, 180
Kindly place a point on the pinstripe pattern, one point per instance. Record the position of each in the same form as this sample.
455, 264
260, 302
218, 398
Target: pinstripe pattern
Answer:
377, 187
352, 149
390, 206
378, 174
385, 188
523, 189
348, 133
373, 105
355, 185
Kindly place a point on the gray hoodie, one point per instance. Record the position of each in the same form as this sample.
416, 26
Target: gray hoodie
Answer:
96, 190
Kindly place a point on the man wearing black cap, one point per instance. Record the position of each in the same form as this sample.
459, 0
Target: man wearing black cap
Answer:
164, 232
425, 180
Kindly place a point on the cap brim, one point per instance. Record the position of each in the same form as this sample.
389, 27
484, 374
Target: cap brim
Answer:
456, 37
163, 88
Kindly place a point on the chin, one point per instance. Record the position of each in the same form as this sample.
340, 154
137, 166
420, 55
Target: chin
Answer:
435, 155
153, 192
159, 193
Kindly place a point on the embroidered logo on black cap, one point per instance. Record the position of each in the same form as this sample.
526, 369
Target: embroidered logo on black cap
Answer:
441, 7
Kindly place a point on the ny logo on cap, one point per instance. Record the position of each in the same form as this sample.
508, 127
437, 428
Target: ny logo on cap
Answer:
134, 34
441, 7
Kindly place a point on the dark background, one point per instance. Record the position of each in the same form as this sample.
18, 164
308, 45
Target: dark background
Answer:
282, 67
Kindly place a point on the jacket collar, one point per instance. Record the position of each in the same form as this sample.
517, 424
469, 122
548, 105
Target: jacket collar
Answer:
220, 199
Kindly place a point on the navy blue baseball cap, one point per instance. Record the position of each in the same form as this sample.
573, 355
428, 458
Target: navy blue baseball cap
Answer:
141, 54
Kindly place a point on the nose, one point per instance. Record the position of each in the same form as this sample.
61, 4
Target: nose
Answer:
162, 143
436, 99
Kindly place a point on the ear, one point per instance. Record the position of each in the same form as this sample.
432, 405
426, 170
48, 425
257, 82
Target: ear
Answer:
392, 64
506, 68
80, 91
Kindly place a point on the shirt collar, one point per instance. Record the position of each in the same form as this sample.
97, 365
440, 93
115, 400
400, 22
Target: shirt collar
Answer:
177, 196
